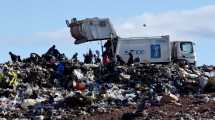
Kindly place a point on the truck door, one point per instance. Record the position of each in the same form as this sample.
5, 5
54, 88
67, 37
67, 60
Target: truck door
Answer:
187, 52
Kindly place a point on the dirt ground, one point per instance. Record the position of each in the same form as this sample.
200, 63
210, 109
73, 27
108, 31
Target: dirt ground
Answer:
190, 108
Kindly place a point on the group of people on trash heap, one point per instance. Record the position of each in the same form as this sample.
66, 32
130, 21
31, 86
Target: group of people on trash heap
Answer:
90, 58
108, 55
53, 55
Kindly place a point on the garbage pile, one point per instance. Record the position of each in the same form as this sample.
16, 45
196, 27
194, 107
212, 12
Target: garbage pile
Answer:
52, 86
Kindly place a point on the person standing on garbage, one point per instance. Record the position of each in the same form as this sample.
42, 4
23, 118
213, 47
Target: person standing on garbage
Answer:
97, 58
34, 57
87, 59
137, 60
108, 49
119, 60
90, 56
75, 57
14, 58
106, 59
130, 59
53, 51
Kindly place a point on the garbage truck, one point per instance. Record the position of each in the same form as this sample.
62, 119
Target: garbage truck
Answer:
158, 49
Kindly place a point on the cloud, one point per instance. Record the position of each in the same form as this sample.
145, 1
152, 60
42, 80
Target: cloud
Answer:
180, 25
187, 24
61, 35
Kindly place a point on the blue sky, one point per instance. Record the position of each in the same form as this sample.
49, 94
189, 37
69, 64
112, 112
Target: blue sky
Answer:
33, 26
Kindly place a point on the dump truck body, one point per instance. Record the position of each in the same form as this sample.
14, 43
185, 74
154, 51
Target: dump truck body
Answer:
91, 29
148, 49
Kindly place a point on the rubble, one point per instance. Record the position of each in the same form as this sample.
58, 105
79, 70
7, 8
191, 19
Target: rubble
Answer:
55, 87
169, 98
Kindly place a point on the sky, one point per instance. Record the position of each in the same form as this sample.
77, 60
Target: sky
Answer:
34, 26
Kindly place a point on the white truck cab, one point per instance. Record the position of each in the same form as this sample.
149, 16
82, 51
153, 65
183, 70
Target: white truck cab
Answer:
183, 51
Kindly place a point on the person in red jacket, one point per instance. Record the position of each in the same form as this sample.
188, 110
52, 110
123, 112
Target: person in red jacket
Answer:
106, 59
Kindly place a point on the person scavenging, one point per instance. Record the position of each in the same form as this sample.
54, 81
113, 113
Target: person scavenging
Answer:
87, 59
53, 52
130, 59
105, 58
75, 57
90, 56
119, 60
15, 58
97, 58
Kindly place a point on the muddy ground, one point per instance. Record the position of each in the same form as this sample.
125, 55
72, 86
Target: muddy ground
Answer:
189, 108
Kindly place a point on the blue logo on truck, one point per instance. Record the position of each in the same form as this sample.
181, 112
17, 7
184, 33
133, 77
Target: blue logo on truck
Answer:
155, 51
137, 52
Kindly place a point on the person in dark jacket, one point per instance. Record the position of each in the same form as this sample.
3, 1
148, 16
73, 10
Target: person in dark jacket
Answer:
130, 59
75, 57
137, 60
53, 52
34, 57
119, 60
97, 58
87, 59
90, 56
14, 58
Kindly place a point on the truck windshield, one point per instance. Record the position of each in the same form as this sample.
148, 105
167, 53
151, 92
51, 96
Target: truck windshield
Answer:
187, 47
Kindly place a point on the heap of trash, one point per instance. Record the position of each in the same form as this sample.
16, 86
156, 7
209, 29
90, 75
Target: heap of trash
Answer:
52, 86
